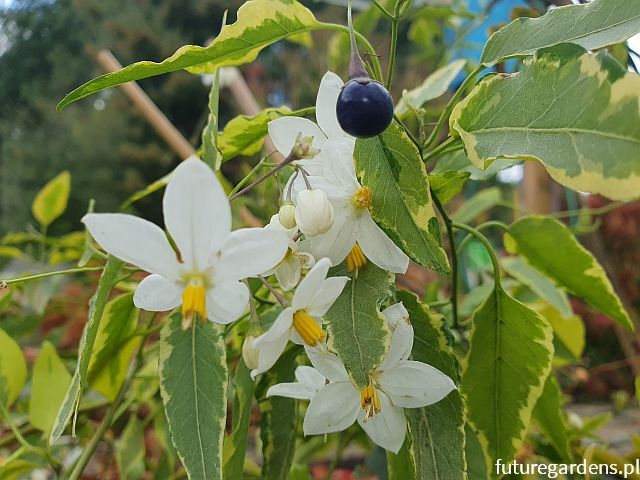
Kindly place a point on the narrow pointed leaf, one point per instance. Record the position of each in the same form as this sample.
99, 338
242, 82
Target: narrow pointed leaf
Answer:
391, 166
540, 114
193, 383
51, 200
593, 25
549, 415
506, 367
358, 332
550, 247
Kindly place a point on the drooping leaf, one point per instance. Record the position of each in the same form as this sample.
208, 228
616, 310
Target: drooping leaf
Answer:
433, 87
540, 114
114, 346
508, 361
358, 332
235, 445
480, 203
593, 25
130, 450
278, 419
550, 247
569, 335
259, 24
79, 380
51, 200
549, 415
447, 184
244, 134
13, 370
193, 383
437, 431
48, 388
538, 283
391, 166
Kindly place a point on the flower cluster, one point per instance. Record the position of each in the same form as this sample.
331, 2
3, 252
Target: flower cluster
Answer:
324, 221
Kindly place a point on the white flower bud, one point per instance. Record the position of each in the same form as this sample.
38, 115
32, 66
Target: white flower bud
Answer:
287, 215
314, 212
302, 148
250, 353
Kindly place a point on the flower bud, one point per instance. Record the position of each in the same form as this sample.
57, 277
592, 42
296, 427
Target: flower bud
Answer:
250, 353
287, 215
314, 212
302, 148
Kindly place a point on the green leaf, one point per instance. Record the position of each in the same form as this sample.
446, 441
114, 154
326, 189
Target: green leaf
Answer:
278, 420
569, 336
79, 380
508, 361
51, 200
193, 383
437, 431
114, 346
593, 25
244, 134
358, 332
540, 114
146, 191
538, 283
48, 388
548, 413
391, 166
260, 23
130, 450
476, 459
13, 370
235, 445
550, 247
15, 468
448, 184
457, 161
211, 155
400, 466
478, 204
433, 87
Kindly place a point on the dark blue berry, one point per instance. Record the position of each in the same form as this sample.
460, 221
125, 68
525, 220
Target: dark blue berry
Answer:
364, 108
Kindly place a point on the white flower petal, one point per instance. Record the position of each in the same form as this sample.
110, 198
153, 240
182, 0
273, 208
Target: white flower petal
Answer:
279, 329
310, 284
401, 336
311, 377
135, 241
268, 354
328, 93
249, 252
324, 298
388, 427
157, 294
327, 363
415, 384
298, 390
288, 272
338, 167
285, 130
196, 212
337, 242
227, 301
379, 248
332, 409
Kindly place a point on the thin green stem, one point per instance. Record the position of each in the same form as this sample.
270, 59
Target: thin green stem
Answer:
454, 258
481, 227
451, 144
253, 171
377, 73
444, 115
487, 246
394, 43
70, 271
591, 211
287, 161
283, 301
384, 11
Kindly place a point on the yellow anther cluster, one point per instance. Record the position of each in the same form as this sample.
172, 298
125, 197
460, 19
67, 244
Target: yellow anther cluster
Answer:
370, 400
362, 198
356, 259
307, 328
193, 301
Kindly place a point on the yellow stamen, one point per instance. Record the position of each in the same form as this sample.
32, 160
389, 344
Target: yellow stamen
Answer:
356, 259
307, 328
193, 301
370, 400
362, 198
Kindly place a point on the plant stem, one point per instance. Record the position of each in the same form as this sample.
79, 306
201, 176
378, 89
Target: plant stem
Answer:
384, 11
290, 158
242, 182
394, 43
5, 283
283, 301
479, 228
444, 115
377, 74
451, 144
454, 258
487, 246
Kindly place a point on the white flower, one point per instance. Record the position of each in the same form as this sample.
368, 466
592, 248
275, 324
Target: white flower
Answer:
314, 212
289, 271
396, 384
300, 322
354, 235
205, 278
